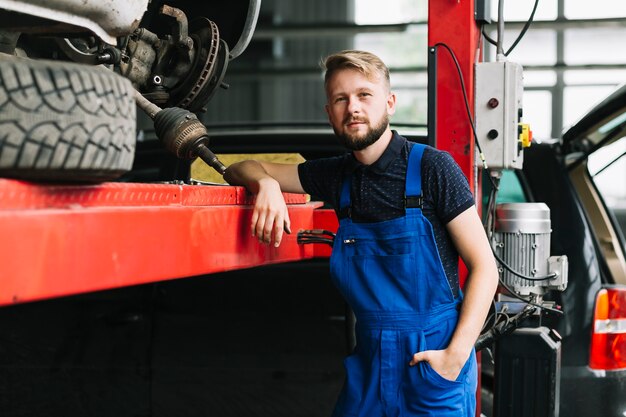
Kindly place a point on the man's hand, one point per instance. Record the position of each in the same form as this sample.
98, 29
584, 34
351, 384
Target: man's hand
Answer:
445, 363
270, 217
268, 181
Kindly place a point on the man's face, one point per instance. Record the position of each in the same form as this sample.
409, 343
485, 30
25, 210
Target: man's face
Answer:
358, 108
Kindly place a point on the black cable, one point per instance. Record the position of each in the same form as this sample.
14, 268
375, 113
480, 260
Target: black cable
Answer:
519, 37
467, 109
316, 236
490, 219
524, 29
519, 297
305, 240
487, 37
502, 328
465, 99
316, 232
526, 277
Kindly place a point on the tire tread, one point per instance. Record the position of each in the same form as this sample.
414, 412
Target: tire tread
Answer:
64, 121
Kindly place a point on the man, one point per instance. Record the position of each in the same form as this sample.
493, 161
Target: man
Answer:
406, 214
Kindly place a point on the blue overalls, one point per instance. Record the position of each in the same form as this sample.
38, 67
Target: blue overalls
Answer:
391, 275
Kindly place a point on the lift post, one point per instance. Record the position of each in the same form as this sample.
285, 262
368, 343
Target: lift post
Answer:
452, 23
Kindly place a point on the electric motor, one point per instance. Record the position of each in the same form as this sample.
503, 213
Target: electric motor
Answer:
521, 241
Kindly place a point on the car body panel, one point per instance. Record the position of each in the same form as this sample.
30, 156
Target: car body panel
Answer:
585, 392
106, 18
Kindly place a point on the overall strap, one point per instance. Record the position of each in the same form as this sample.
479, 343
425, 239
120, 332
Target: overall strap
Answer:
413, 188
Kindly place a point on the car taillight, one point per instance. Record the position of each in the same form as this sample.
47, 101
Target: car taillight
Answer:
608, 340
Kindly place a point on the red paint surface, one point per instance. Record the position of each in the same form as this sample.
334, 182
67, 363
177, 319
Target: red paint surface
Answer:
62, 240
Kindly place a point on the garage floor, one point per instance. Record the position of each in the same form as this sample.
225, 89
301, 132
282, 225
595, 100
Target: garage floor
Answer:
260, 342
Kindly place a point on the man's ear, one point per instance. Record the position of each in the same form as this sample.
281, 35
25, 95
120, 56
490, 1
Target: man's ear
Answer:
391, 104
327, 109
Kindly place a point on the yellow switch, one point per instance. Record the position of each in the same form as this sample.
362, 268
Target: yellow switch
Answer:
526, 135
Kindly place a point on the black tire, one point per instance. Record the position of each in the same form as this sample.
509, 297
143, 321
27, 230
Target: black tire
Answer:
61, 121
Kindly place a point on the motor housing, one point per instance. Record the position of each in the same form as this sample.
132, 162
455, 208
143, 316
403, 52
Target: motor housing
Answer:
522, 241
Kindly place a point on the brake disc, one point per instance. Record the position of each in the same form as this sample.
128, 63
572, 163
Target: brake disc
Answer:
207, 70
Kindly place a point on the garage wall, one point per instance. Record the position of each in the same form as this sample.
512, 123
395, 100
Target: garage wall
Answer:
272, 81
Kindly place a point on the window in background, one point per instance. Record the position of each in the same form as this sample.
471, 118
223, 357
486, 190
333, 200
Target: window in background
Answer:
404, 52
539, 79
412, 98
595, 46
606, 166
579, 90
372, 12
278, 79
576, 9
401, 50
527, 51
612, 77
519, 10
538, 113
578, 100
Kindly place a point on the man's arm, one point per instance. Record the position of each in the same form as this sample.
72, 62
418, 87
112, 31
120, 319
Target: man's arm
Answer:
268, 181
470, 240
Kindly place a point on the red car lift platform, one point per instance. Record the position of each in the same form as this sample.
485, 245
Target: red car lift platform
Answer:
57, 240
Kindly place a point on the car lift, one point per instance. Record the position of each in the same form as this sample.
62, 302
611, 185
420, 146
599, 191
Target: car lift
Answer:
70, 239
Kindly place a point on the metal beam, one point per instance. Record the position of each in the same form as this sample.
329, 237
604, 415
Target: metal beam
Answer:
329, 29
63, 240
326, 30
313, 73
563, 23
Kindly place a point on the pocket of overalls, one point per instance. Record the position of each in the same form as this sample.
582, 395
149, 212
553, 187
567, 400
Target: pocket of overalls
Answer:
382, 282
437, 338
433, 375
427, 392
437, 378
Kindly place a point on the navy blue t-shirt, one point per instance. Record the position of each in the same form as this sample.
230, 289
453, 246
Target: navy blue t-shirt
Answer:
377, 192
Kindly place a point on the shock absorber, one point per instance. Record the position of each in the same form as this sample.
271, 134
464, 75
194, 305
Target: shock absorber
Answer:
181, 132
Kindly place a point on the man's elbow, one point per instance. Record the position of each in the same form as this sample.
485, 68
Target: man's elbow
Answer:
236, 173
491, 274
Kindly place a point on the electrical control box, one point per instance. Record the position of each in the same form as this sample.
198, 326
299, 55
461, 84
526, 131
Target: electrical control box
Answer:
498, 107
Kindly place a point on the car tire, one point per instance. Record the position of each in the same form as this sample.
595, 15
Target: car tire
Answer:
64, 122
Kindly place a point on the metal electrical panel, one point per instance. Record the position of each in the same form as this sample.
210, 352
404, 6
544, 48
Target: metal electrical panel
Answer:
482, 11
498, 107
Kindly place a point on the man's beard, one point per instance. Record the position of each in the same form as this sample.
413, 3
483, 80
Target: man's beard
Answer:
356, 143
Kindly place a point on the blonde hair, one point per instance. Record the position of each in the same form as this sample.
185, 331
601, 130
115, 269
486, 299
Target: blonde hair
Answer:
366, 63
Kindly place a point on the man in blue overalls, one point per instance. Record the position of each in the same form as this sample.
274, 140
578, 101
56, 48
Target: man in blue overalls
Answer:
406, 214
